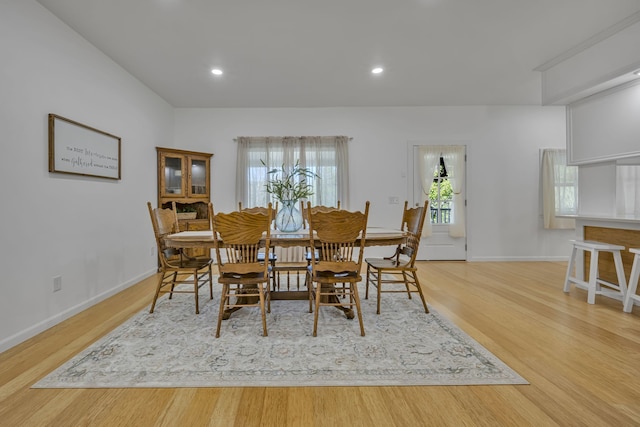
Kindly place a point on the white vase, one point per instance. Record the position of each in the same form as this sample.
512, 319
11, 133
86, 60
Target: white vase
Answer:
289, 217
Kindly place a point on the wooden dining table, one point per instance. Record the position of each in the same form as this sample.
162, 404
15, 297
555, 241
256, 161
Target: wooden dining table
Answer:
376, 236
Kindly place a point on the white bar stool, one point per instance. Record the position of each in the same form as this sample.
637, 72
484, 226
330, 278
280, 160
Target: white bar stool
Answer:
593, 288
633, 282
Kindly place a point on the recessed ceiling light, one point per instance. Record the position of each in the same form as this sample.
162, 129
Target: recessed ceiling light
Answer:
377, 70
216, 71
637, 72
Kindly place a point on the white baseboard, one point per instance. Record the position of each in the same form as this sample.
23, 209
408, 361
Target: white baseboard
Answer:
519, 259
42, 326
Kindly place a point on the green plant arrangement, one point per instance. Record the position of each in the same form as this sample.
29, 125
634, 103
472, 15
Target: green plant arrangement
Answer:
290, 184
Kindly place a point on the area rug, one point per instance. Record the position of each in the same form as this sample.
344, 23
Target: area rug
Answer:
174, 347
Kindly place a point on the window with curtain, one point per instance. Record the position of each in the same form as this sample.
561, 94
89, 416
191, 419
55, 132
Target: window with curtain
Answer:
559, 189
326, 156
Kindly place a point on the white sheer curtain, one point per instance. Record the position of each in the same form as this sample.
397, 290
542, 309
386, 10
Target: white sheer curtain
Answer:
327, 156
628, 190
559, 189
429, 159
454, 159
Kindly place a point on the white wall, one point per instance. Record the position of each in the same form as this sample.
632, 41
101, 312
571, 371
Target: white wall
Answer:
504, 215
95, 233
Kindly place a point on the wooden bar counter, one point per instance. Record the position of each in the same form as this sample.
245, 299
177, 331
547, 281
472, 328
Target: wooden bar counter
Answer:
616, 230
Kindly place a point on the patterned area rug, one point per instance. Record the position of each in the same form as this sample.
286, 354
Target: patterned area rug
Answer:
174, 347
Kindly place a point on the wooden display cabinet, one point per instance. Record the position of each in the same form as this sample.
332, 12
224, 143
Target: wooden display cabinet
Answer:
184, 177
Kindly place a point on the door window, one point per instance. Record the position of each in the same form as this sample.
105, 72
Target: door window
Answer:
440, 196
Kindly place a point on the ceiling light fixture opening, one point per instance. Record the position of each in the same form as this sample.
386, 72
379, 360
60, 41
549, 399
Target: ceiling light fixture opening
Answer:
216, 71
377, 70
637, 72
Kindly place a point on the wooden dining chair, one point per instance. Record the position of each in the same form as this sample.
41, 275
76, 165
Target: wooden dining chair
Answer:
238, 238
311, 252
261, 209
176, 267
273, 257
339, 236
400, 267
316, 208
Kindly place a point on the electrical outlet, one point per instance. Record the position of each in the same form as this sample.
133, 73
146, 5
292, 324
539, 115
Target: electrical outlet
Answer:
394, 200
57, 283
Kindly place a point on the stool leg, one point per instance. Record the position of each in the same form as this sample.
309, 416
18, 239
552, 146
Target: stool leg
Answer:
633, 284
593, 277
622, 280
572, 260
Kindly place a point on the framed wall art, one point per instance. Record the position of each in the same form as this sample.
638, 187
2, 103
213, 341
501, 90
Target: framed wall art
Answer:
79, 149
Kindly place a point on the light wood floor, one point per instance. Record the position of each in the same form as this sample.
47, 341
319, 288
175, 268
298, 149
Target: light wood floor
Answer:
583, 363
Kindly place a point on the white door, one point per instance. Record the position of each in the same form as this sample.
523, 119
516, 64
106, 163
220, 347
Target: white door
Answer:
439, 245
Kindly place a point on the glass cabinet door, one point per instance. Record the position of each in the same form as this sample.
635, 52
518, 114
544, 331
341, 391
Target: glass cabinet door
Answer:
173, 176
198, 177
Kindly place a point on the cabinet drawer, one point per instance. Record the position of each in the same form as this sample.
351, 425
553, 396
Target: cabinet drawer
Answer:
194, 225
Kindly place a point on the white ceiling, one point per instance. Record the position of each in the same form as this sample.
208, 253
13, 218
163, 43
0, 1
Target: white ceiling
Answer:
319, 53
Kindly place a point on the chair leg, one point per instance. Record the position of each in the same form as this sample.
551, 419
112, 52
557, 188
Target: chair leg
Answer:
366, 288
417, 283
223, 299
210, 282
272, 273
315, 317
354, 295
406, 283
379, 286
195, 290
155, 296
268, 298
173, 283
310, 291
262, 308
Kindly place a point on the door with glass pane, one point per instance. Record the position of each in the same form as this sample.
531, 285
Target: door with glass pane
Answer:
438, 244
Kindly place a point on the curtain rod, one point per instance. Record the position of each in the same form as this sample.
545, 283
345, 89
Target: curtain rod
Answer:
329, 136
